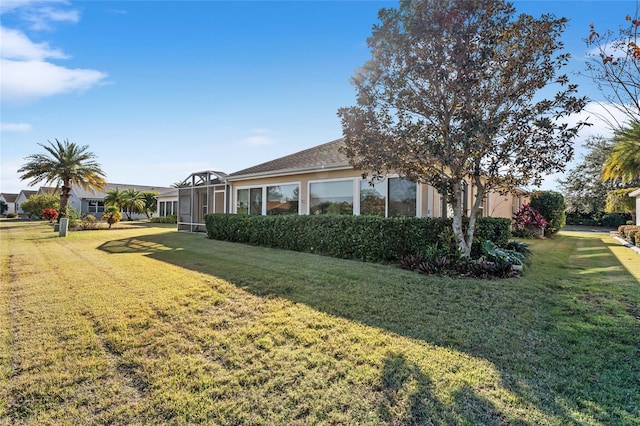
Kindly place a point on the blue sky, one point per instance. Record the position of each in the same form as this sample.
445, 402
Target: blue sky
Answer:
160, 89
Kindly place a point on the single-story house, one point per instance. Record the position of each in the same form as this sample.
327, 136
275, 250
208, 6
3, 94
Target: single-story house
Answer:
167, 203
636, 194
318, 180
88, 202
23, 196
10, 201
91, 202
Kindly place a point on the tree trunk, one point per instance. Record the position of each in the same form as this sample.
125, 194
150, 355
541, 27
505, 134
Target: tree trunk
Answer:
64, 199
465, 248
473, 214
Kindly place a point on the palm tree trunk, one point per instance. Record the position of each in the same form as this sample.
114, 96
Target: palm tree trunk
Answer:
64, 198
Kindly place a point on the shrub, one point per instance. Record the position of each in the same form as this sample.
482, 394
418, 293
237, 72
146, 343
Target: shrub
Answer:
12, 215
166, 219
550, 204
366, 238
37, 203
638, 239
527, 222
112, 215
520, 247
629, 232
74, 217
89, 222
49, 214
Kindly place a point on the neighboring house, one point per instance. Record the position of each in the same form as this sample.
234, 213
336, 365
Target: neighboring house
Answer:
636, 194
318, 180
23, 196
10, 201
92, 202
167, 203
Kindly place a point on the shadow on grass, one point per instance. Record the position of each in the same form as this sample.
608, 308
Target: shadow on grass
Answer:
564, 340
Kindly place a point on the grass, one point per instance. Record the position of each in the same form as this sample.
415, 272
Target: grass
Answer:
147, 325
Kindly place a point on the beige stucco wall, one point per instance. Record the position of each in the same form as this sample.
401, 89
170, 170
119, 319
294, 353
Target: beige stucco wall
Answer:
425, 193
429, 201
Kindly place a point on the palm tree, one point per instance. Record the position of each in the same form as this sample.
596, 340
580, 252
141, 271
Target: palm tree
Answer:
150, 203
134, 202
66, 163
115, 198
624, 161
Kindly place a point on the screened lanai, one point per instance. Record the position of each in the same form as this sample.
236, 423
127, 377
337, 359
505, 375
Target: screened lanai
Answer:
200, 194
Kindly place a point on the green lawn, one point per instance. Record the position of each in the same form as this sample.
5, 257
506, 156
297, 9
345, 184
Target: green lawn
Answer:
146, 325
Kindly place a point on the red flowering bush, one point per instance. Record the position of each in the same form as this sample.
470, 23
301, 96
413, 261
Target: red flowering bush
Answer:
527, 222
49, 214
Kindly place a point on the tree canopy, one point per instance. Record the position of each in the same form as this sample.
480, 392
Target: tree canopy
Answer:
453, 92
65, 164
583, 187
623, 162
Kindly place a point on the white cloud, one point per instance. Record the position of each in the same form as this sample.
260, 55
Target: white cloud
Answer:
40, 14
30, 80
15, 127
28, 72
16, 45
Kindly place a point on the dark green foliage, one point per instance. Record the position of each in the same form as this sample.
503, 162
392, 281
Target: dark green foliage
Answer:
520, 247
550, 204
609, 220
165, 219
367, 238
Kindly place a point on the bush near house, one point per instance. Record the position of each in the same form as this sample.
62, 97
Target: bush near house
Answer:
609, 220
630, 233
551, 205
366, 238
165, 219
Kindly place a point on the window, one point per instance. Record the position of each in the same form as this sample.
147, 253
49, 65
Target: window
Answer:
402, 197
373, 198
249, 201
332, 198
167, 208
282, 199
95, 206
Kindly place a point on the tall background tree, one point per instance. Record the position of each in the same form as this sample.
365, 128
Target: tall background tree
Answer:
453, 92
623, 162
65, 164
583, 187
615, 67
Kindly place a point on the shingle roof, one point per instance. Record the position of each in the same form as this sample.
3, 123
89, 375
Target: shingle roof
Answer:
9, 198
85, 193
325, 155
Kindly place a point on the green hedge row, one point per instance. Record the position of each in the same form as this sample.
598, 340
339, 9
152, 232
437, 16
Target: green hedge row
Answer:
367, 238
630, 233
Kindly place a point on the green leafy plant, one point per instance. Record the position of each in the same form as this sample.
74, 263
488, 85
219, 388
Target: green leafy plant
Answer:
112, 215
520, 247
551, 205
495, 253
74, 217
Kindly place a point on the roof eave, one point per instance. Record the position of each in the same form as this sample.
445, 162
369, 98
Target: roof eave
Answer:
289, 172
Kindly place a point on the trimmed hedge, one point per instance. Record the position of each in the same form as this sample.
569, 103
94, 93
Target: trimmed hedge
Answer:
630, 233
366, 238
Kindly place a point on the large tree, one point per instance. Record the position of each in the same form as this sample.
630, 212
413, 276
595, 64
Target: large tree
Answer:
583, 187
623, 162
65, 164
615, 67
453, 92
